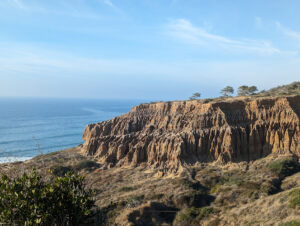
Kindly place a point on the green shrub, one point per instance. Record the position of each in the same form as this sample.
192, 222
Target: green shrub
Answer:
284, 167
294, 198
60, 170
193, 214
28, 200
86, 164
291, 223
230, 180
207, 100
190, 184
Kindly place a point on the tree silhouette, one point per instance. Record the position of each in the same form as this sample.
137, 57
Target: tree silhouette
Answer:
195, 96
227, 91
246, 90
252, 90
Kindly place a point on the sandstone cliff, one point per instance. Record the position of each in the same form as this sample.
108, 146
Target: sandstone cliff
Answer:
170, 134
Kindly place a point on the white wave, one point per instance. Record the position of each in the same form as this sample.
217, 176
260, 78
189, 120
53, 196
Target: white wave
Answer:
13, 159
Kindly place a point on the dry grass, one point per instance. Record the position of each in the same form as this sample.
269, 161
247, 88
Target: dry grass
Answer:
238, 191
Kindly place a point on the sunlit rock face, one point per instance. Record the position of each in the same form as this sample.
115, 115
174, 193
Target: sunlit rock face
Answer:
171, 134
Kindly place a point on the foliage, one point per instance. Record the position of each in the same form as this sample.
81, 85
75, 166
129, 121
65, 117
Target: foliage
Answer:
216, 188
291, 223
230, 180
284, 167
60, 171
190, 184
205, 101
294, 199
86, 164
252, 90
28, 200
246, 90
109, 212
290, 89
243, 91
193, 214
195, 96
198, 199
227, 91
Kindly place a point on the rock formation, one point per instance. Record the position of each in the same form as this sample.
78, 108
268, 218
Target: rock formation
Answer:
170, 134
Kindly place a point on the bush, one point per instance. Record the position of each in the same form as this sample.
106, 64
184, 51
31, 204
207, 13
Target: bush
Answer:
28, 200
294, 199
60, 170
231, 180
284, 167
86, 164
190, 184
207, 100
192, 215
291, 223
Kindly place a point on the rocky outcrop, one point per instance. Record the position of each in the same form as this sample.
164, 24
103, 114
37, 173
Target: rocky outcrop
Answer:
170, 134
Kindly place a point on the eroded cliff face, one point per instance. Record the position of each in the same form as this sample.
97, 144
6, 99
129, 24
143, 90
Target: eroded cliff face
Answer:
170, 134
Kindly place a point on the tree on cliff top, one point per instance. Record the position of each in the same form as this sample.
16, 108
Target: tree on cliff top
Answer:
227, 91
195, 96
246, 90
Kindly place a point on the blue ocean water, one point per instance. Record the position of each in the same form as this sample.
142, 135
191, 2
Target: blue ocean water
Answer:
54, 124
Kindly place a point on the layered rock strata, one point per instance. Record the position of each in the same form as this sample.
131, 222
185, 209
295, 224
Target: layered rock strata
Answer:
170, 134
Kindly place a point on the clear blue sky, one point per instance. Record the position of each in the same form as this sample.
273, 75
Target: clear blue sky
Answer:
146, 49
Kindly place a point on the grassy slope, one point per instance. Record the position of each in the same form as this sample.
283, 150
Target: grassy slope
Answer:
290, 89
255, 193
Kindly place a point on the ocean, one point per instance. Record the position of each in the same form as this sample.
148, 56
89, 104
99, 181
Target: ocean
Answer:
53, 124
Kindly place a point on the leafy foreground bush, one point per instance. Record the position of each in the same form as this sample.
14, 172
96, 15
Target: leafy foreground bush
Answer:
28, 200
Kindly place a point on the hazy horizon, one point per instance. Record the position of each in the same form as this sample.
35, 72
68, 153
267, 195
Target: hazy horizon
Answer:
147, 49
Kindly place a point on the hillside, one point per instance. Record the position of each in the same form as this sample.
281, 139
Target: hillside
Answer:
227, 161
290, 89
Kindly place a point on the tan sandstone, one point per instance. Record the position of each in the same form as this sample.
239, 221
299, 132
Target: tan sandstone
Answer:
171, 134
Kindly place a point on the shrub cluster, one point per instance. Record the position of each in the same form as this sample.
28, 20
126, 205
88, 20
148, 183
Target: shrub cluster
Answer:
284, 167
28, 200
193, 215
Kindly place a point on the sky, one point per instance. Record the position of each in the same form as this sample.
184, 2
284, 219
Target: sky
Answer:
146, 49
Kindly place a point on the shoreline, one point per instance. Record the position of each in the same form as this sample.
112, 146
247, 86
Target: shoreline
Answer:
14, 159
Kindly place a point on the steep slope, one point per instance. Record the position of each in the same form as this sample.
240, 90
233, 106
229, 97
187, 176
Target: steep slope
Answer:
170, 134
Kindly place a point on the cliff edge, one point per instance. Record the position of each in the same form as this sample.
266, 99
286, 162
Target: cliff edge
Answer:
171, 134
